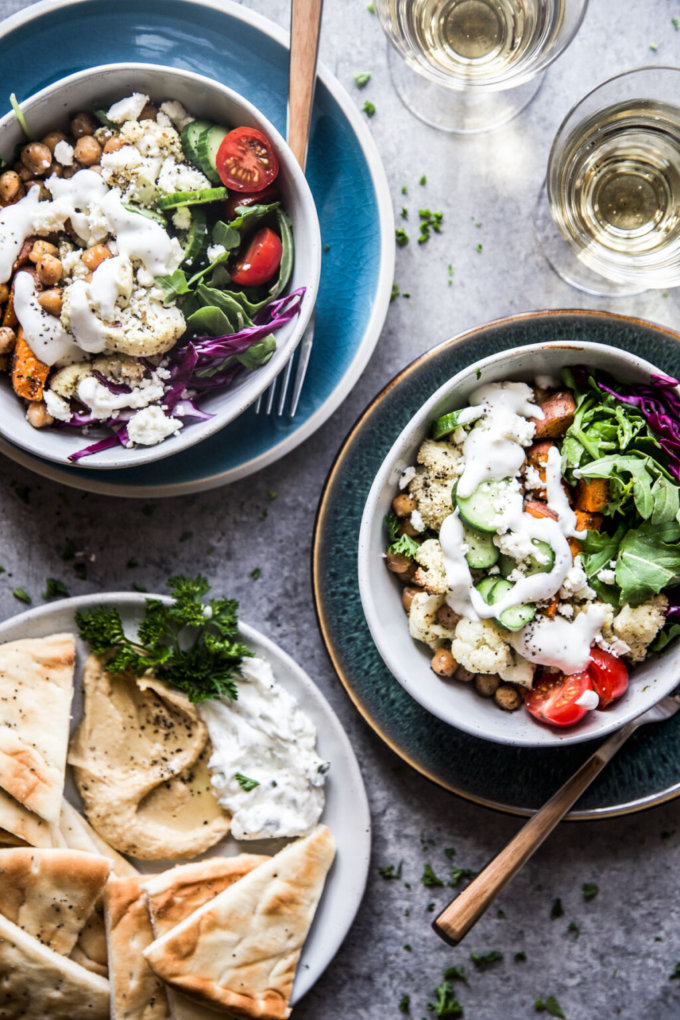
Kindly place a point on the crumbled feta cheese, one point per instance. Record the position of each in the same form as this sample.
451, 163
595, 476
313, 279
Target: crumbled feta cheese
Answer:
176, 113
127, 109
548, 382
63, 153
516, 544
607, 576
565, 609
589, 700
151, 426
175, 177
416, 516
182, 220
407, 474
532, 478
145, 278
215, 250
575, 584
459, 435
57, 406
126, 158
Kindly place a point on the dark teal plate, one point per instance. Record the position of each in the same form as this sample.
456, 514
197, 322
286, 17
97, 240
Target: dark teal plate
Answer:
238, 47
518, 780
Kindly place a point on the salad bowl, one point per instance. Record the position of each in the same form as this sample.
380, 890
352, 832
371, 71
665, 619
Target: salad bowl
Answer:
381, 592
204, 99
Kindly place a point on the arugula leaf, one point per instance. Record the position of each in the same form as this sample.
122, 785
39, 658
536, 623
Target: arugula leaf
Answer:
667, 634
188, 643
648, 561
224, 234
599, 548
174, 285
250, 216
209, 321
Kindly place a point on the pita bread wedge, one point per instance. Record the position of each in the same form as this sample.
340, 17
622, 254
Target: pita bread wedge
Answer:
176, 893
36, 686
238, 953
79, 835
140, 762
23, 824
38, 983
136, 992
51, 893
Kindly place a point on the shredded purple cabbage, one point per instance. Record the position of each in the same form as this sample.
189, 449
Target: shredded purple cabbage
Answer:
659, 404
112, 387
199, 354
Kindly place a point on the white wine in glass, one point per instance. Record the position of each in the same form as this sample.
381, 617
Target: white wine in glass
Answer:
477, 63
613, 186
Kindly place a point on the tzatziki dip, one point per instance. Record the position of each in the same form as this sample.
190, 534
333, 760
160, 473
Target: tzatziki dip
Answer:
264, 767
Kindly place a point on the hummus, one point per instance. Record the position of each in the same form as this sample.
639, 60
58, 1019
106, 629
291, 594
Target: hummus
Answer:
140, 760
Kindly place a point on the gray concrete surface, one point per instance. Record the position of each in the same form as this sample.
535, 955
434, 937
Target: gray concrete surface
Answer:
630, 934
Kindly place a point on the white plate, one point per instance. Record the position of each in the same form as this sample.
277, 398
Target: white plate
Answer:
346, 813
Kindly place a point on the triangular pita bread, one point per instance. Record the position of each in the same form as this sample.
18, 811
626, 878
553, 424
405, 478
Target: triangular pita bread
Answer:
176, 893
136, 992
239, 952
37, 983
36, 688
78, 834
51, 893
23, 824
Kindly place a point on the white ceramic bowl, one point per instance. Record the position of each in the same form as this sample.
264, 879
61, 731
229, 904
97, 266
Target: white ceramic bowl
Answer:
458, 703
50, 109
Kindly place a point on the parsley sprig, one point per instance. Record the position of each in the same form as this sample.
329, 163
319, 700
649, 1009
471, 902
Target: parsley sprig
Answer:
400, 545
189, 643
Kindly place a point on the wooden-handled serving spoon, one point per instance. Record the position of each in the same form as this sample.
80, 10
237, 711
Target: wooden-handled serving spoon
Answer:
462, 914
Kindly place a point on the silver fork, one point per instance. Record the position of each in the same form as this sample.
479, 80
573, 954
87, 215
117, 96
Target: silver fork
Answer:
305, 26
458, 918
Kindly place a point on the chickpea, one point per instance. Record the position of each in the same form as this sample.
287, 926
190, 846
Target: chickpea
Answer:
4, 362
149, 112
443, 663
88, 151
487, 684
38, 415
7, 340
10, 186
96, 169
37, 157
447, 617
52, 140
398, 563
403, 505
57, 170
23, 171
83, 124
113, 144
406, 528
44, 193
4, 293
51, 301
94, 256
41, 248
407, 597
508, 698
49, 270
464, 675
69, 171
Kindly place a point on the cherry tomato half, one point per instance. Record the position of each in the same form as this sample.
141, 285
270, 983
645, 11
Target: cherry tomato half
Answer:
246, 160
609, 676
553, 699
261, 261
265, 197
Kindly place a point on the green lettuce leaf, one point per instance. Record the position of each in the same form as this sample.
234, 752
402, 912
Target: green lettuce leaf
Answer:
648, 561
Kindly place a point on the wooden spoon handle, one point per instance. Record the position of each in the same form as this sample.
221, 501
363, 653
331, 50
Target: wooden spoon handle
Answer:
456, 920
305, 27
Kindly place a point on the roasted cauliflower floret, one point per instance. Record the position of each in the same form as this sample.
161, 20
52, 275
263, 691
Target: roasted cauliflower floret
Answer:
441, 460
479, 646
65, 381
431, 574
154, 331
433, 498
423, 624
639, 625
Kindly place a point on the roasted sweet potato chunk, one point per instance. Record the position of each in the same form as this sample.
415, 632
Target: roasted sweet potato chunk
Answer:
538, 509
558, 410
588, 522
592, 494
29, 374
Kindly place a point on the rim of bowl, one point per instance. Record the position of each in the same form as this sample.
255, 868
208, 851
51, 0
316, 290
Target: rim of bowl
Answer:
200, 430
560, 738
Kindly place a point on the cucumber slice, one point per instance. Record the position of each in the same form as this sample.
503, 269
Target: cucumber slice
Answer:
206, 148
477, 510
507, 564
189, 137
485, 585
482, 553
547, 558
192, 198
517, 616
197, 237
445, 425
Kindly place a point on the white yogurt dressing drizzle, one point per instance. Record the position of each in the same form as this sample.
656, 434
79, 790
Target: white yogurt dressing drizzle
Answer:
43, 333
493, 453
95, 211
265, 736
